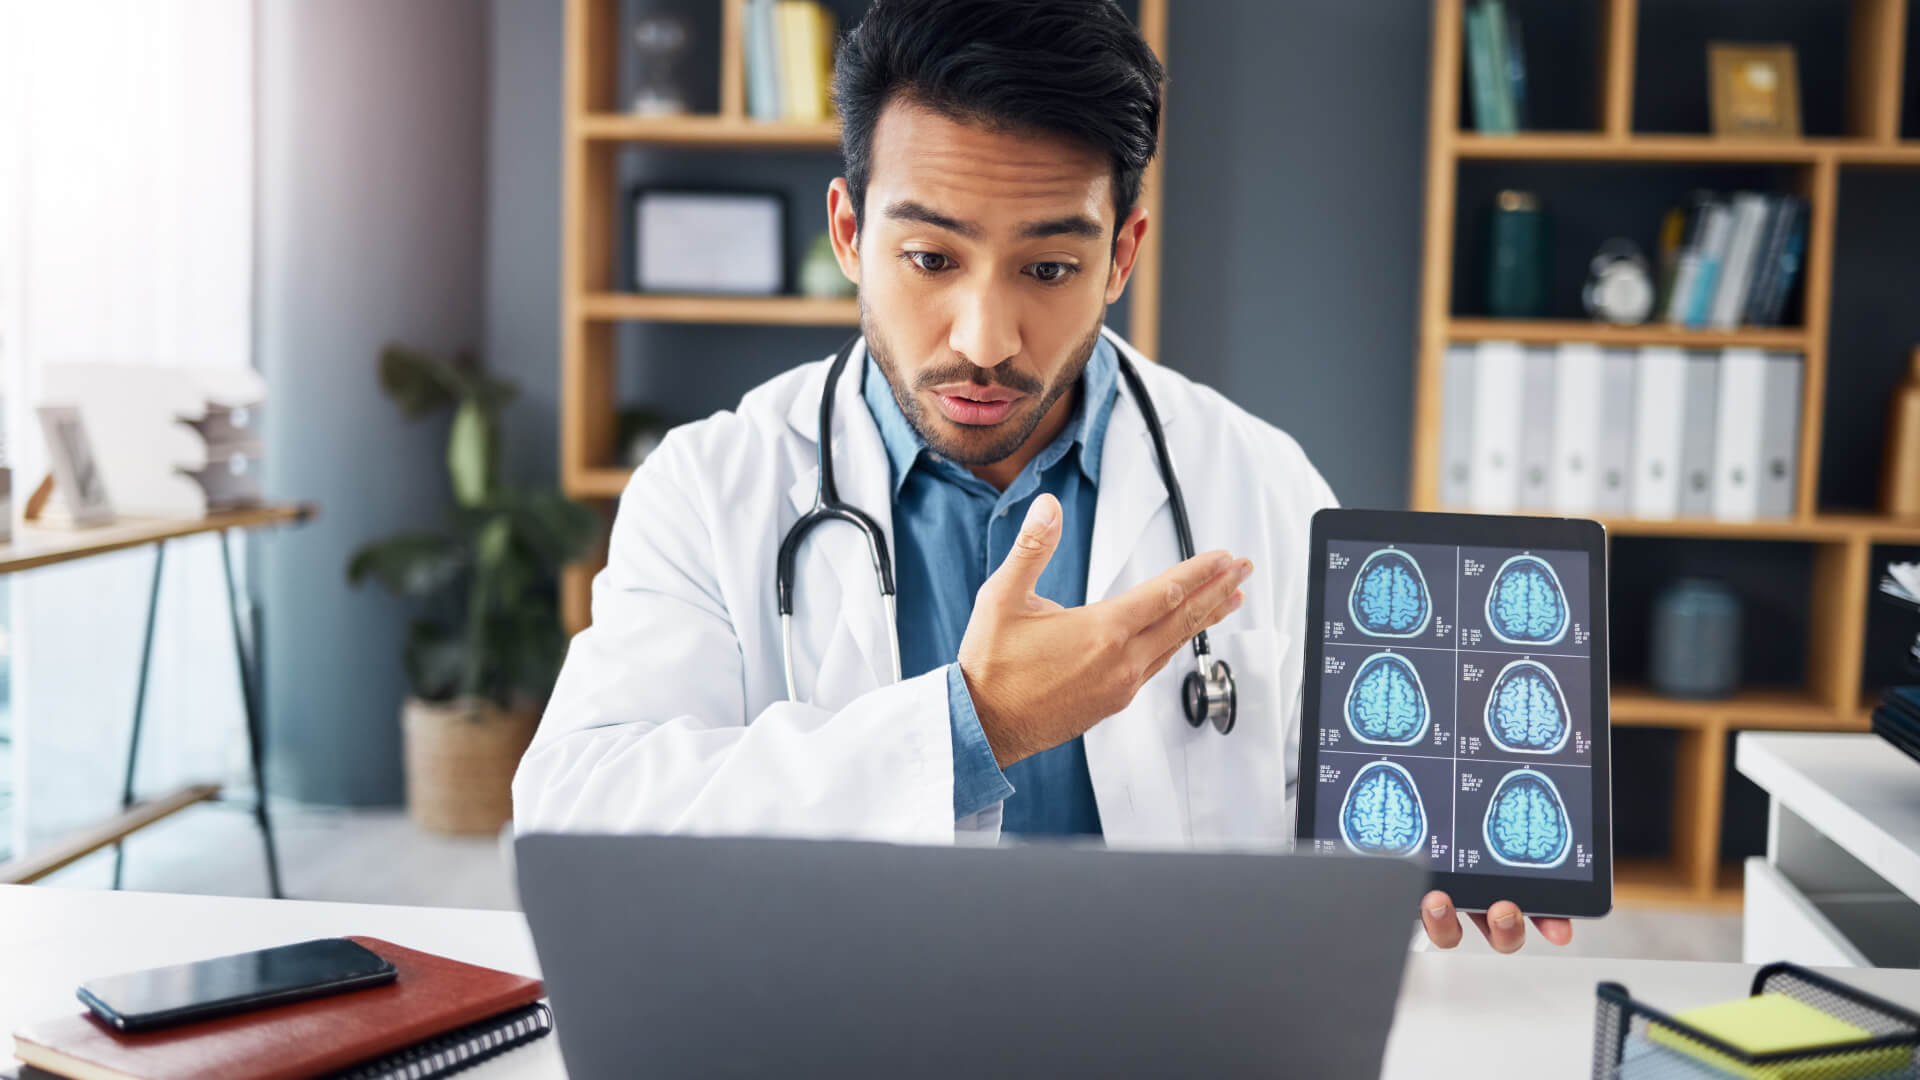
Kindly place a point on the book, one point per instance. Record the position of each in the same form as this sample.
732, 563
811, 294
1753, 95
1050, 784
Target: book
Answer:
437, 1016
1775, 1023
1766, 260
1787, 265
763, 69
1729, 304
1499, 367
1686, 273
1499, 49
1456, 427
1614, 487
1516, 72
791, 21
1736, 454
1779, 436
1486, 117
1659, 401
1578, 388
1536, 428
823, 44
1716, 236
1697, 435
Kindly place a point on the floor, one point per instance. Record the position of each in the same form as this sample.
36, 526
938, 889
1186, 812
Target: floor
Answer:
377, 856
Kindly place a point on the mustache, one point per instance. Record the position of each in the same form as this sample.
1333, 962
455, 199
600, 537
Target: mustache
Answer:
971, 373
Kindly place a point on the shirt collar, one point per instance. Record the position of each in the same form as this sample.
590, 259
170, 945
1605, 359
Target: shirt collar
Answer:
1086, 428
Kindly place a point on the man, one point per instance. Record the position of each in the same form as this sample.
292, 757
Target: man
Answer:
994, 151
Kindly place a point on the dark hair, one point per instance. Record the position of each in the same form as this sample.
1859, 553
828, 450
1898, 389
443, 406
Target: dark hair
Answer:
1076, 68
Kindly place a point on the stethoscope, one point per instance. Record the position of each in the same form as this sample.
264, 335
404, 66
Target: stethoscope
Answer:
1207, 694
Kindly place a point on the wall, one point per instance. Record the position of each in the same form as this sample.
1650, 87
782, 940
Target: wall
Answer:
372, 157
1295, 149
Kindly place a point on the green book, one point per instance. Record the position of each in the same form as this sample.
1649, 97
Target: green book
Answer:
1772, 1023
1500, 52
1480, 70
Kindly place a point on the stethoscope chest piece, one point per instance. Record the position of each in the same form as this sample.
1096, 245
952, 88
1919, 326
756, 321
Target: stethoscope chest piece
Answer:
1210, 698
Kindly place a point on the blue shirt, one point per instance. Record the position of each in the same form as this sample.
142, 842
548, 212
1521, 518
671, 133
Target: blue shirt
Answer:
952, 529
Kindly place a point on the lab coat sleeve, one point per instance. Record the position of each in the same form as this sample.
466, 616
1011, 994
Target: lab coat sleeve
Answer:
647, 730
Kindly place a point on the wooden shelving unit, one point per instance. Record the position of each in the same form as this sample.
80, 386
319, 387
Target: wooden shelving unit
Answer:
1695, 870
590, 305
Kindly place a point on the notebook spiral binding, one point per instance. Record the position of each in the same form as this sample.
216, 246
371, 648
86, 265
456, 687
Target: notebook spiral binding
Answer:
461, 1048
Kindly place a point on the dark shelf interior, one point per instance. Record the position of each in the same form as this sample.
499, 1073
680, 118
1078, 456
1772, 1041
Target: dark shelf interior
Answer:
1772, 579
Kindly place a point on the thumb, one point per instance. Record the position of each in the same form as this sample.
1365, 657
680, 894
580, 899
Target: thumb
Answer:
1039, 535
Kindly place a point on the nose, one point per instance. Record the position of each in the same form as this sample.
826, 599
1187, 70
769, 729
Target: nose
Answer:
985, 329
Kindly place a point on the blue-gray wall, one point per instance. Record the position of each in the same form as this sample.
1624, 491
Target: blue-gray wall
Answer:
371, 187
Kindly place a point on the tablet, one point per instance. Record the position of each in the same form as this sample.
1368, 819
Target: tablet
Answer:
1454, 710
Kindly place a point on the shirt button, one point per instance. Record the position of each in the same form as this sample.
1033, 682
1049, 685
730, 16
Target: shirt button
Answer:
1003, 511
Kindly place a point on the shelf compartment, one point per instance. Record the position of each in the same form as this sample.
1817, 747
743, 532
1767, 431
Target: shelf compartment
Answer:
712, 132
1556, 331
762, 310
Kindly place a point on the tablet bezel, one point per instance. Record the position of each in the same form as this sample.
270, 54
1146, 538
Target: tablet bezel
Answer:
1473, 891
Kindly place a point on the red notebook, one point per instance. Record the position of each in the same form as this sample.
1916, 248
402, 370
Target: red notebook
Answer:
377, 1027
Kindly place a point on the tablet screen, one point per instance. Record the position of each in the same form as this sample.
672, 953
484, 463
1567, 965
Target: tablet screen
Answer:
1453, 722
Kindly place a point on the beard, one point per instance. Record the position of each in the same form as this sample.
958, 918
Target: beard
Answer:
975, 445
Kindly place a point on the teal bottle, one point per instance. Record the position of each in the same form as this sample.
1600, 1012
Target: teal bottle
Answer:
1517, 257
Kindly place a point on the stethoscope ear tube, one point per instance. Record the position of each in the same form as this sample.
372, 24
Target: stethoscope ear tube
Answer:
1208, 693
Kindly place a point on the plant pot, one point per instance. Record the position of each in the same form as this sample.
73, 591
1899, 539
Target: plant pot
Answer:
460, 759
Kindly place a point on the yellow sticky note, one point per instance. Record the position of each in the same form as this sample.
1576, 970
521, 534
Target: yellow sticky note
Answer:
1771, 1023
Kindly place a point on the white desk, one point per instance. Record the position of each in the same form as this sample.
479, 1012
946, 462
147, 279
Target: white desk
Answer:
1459, 1016
1840, 884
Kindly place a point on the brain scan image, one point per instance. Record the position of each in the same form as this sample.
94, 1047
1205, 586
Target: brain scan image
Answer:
1527, 823
1525, 603
1527, 711
1382, 814
1386, 703
1389, 597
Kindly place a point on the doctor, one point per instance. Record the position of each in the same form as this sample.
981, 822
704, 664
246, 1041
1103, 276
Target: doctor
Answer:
988, 428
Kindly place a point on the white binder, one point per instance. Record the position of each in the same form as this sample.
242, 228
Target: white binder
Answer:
1456, 427
1494, 486
1614, 478
1578, 393
1660, 391
1736, 455
1779, 436
1697, 435
1536, 428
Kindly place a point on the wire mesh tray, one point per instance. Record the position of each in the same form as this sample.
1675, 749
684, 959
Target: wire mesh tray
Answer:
1624, 1049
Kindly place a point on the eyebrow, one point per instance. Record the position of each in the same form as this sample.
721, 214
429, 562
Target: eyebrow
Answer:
1071, 225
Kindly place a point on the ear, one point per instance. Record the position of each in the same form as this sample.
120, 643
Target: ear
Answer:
841, 228
1131, 233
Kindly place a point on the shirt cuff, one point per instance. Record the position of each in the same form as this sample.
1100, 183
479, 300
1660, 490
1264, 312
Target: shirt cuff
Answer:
977, 780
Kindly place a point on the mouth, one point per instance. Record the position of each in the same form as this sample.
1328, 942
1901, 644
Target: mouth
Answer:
978, 406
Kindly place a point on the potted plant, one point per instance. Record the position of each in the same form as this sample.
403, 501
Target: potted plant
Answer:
483, 652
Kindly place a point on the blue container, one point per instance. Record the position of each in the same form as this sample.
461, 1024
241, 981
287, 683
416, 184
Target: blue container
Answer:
1695, 640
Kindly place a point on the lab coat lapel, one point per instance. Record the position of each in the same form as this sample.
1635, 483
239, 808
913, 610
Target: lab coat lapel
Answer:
1131, 493
861, 472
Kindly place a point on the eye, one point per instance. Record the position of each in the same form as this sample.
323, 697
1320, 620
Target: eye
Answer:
927, 262
1052, 273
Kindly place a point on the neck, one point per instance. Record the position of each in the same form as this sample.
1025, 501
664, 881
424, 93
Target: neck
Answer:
1001, 473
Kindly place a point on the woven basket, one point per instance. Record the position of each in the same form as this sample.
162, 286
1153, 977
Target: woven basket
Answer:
460, 762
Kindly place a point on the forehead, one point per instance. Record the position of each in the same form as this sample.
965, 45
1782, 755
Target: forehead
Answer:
976, 173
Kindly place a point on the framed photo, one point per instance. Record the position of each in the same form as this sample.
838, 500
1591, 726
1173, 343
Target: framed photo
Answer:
684, 241
1755, 90
76, 473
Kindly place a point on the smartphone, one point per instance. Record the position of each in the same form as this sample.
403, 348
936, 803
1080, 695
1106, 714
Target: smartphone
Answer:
160, 997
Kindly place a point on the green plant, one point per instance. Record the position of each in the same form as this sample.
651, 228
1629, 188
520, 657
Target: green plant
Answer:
488, 583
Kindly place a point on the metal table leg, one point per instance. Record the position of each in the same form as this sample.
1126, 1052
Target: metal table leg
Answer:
256, 737
139, 701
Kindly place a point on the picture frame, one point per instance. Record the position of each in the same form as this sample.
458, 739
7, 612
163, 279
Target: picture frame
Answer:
1755, 90
77, 477
707, 241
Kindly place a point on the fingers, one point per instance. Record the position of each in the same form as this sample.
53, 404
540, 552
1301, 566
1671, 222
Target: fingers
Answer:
1232, 605
1149, 601
1557, 931
1200, 610
1039, 535
1438, 917
1506, 931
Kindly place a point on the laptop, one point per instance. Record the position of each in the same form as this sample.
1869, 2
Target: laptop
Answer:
679, 956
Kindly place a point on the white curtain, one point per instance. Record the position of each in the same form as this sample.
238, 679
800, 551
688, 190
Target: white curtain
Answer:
126, 236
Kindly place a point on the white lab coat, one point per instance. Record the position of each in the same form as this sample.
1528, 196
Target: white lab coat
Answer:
671, 712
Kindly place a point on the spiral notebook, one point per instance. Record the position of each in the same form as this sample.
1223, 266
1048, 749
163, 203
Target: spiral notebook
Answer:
438, 1017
